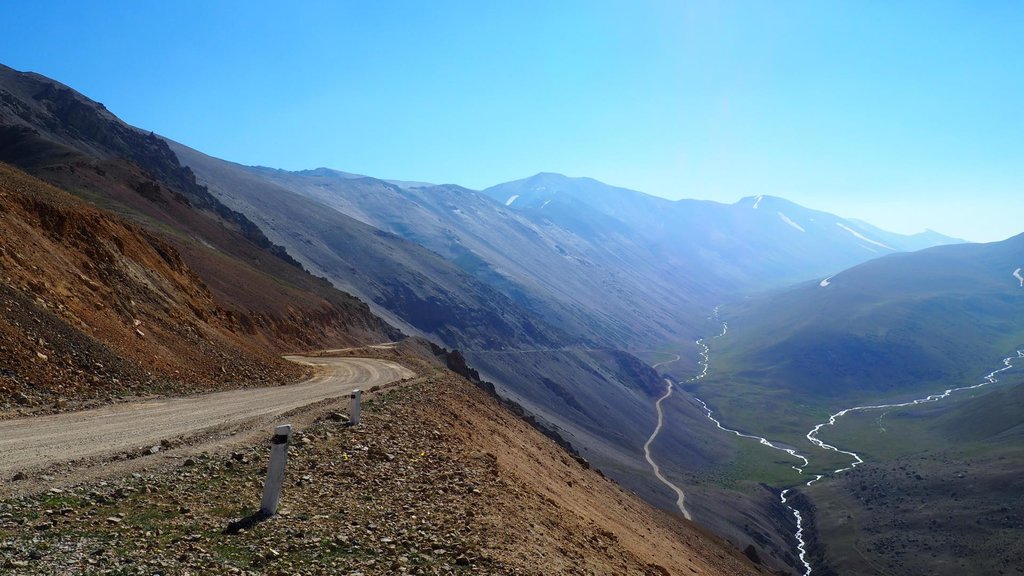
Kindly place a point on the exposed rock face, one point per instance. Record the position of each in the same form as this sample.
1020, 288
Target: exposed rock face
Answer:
35, 108
176, 292
92, 307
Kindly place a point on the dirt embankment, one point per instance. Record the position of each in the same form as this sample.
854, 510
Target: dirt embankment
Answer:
93, 308
438, 479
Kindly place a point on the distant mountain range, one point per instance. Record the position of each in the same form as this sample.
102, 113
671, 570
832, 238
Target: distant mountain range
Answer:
609, 266
757, 243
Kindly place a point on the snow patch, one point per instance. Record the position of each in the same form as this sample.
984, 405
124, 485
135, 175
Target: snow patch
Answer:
791, 223
511, 199
757, 200
1017, 275
864, 238
825, 282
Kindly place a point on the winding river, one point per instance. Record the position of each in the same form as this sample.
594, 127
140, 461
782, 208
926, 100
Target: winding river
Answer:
812, 435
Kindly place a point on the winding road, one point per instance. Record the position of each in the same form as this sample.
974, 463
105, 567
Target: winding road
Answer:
37, 442
704, 354
680, 495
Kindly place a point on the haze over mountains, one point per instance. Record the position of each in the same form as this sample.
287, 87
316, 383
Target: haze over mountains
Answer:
562, 291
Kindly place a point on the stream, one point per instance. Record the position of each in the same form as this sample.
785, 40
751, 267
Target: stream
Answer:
812, 435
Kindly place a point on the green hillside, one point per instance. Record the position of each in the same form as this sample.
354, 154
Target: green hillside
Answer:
891, 328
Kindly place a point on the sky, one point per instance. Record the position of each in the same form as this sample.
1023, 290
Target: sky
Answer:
909, 115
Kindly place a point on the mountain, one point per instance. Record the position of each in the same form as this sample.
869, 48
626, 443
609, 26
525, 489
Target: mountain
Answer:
182, 291
895, 328
611, 294
413, 287
757, 243
899, 324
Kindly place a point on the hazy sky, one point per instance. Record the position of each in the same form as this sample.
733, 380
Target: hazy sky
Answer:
907, 115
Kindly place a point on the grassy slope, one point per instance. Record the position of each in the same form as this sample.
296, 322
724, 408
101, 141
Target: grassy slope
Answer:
893, 328
941, 492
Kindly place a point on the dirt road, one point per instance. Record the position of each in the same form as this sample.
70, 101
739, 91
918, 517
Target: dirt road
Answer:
32, 443
680, 495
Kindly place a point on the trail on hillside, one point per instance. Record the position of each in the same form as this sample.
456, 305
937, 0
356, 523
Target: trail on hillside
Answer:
680, 495
812, 435
37, 442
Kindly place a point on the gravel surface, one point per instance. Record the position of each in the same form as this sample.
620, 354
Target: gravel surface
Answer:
437, 479
35, 443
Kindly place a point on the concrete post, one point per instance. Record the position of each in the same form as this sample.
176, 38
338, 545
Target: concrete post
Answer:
357, 396
275, 471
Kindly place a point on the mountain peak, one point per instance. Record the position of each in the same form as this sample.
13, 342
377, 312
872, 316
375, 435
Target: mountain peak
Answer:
762, 200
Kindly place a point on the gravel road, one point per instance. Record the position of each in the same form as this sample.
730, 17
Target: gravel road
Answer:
36, 442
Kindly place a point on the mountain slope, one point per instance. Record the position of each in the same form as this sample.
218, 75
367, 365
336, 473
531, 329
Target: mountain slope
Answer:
96, 307
214, 277
404, 280
610, 293
902, 323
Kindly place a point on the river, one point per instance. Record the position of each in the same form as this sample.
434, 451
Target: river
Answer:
812, 435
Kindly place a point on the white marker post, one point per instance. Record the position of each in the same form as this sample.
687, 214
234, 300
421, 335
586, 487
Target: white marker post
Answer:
275, 471
357, 396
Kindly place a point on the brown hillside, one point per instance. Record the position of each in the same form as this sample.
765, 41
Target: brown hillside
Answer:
93, 307
438, 479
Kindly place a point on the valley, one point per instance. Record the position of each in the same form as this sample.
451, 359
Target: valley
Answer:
817, 504
541, 368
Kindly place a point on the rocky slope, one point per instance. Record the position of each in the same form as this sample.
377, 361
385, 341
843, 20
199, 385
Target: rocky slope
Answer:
94, 307
438, 479
173, 293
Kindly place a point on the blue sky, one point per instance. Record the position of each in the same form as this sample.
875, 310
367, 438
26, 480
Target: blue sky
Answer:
905, 114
